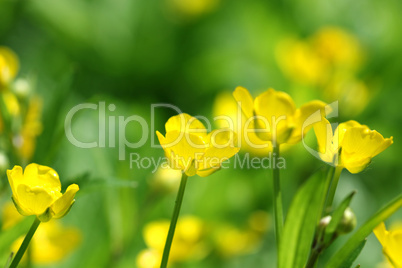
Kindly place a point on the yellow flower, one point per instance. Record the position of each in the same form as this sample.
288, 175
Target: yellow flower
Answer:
391, 242
52, 241
300, 62
351, 146
275, 116
228, 115
338, 47
189, 148
166, 179
149, 258
31, 128
232, 241
37, 191
188, 242
9, 66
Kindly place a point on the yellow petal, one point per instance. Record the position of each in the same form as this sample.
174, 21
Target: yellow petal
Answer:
221, 148
360, 144
245, 100
381, 233
343, 127
207, 172
274, 103
304, 120
43, 176
394, 247
182, 148
35, 200
15, 177
278, 110
185, 123
323, 133
62, 205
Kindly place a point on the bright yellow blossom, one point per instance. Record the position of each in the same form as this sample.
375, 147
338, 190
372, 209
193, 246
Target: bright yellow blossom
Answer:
188, 242
228, 115
391, 242
191, 149
275, 115
9, 66
351, 146
52, 241
37, 191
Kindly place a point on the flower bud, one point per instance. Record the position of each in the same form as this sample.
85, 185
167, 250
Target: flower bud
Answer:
348, 222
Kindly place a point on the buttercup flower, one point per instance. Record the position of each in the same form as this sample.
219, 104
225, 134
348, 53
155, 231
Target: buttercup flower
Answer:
9, 66
391, 242
275, 116
37, 191
227, 115
191, 149
351, 146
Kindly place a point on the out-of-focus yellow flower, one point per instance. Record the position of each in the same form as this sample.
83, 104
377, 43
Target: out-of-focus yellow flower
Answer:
149, 258
37, 191
189, 148
52, 242
259, 221
9, 66
227, 114
232, 241
351, 146
299, 61
391, 242
188, 242
31, 128
338, 47
275, 116
166, 179
315, 60
351, 93
192, 8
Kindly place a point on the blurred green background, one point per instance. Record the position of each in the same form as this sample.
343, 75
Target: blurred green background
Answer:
136, 53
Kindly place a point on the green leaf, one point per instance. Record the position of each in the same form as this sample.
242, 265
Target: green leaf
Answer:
7, 237
301, 222
347, 263
360, 235
337, 216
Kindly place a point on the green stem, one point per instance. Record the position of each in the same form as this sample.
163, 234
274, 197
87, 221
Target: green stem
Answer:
172, 228
25, 244
278, 207
336, 174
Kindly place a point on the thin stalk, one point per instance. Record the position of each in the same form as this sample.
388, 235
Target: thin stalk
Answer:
172, 228
278, 207
25, 244
331, 192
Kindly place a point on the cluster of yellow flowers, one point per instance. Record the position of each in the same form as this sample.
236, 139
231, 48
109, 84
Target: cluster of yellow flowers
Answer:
328, 60
195, 239
265, 123
20, 110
